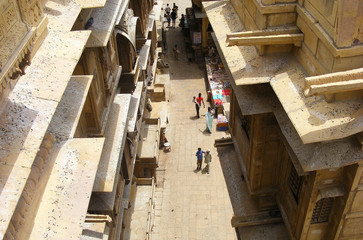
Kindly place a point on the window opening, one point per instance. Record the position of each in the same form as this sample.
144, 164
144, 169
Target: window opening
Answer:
295, 182
246, 124
322, 210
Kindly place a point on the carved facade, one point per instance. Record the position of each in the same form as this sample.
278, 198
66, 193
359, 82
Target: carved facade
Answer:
69, 137
103, 65
21, 30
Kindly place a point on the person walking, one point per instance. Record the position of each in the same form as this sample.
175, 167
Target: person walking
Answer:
174, 16
209, 120
167, 9
197, 106
181, 23
176, 52
207, 160
175, 7
200, 100
199, 155
168, 18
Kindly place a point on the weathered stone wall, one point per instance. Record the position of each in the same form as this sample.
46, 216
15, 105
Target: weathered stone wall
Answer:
331, 28
256, 15
319, 54
350, 24
341, 20
349, 223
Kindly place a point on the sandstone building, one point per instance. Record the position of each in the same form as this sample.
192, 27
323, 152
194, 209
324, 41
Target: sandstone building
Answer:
73, 89
296, 113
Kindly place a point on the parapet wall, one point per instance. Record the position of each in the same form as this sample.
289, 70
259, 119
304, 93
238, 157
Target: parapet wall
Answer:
332, 37
341, 20
325, 48
257, 16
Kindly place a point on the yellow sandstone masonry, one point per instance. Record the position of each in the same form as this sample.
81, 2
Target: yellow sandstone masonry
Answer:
324, 56
316, 175
310, 39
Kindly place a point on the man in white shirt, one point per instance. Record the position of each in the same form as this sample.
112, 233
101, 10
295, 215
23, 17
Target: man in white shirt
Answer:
167, 9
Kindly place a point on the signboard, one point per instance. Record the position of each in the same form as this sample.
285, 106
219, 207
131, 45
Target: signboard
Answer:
197, 37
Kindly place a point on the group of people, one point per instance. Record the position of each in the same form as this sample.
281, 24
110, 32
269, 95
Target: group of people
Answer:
171, 14
208, 115
209, 123
207, 159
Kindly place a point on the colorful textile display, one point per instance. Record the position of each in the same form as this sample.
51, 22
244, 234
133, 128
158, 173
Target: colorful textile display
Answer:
226, 92
218, 102
222, 122
218, 82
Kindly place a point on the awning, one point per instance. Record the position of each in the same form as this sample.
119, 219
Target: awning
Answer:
134, 107
144, 55
61, 17
104, 20
66, 118
315, 156
314, 119
64, 204
252, 99
115, 134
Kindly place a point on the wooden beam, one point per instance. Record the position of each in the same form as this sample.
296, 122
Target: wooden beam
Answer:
223, 144
93, 218
295, 38
261, 218
144, 181
220, 140
147, 165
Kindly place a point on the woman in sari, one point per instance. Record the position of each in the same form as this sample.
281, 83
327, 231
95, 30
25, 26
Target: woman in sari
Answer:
209, 120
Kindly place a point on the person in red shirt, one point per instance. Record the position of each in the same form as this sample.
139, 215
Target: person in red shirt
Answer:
199, 100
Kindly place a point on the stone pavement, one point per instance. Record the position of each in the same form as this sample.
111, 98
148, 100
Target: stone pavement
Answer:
189, 204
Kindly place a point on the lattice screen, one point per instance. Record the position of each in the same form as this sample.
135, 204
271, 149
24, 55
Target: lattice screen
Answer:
322, 210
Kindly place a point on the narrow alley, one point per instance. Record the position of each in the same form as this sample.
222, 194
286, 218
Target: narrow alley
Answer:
189, 204
99, 129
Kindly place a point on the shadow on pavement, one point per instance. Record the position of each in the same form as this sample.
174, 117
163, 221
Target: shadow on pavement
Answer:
205, 132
